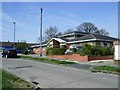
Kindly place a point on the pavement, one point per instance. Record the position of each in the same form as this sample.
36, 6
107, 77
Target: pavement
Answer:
58, 76
82, 65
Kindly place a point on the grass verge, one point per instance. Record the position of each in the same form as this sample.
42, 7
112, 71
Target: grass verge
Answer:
106, 69
46, 60
11, 82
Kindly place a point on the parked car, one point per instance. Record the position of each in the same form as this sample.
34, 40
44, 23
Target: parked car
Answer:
68, 51
11, 52
30, 51
19, 51
73, 49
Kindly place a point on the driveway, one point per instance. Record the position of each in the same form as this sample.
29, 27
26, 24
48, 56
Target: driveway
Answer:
58, 76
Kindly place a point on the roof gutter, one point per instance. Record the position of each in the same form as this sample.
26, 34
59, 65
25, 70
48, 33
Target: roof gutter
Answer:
82, 41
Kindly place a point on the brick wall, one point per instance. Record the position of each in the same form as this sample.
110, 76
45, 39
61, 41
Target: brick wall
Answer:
91, 58
77, 57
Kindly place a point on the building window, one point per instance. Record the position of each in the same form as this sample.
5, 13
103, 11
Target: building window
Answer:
98, 43
105, 43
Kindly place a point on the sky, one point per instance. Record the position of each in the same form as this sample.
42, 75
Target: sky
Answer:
63, 15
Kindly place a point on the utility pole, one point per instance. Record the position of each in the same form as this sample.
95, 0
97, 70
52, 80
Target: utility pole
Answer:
41, 34
14, 32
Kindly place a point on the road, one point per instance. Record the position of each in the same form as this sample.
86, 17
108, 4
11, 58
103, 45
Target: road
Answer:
58, 76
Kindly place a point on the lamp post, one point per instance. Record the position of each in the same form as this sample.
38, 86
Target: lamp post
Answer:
41, 34
14, 32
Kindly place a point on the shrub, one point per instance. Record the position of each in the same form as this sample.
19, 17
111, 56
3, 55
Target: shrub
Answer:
21, 46
25, 52
86, 50
96, 50
55, 51
106, 51
47, 50
31, 52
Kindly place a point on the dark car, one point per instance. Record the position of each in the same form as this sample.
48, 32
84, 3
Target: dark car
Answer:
9, 53
19, 51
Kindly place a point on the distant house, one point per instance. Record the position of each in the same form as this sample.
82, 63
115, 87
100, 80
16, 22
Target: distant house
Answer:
76, 38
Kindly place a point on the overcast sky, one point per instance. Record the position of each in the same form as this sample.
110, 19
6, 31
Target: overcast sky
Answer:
60, 14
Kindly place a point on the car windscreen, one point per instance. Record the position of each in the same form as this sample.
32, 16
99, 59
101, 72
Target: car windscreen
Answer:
12, 51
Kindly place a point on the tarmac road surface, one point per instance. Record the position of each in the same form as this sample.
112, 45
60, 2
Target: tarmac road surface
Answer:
58, 76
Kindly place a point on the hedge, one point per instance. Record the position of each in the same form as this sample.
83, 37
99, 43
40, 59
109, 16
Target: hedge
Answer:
91, 50
55, 51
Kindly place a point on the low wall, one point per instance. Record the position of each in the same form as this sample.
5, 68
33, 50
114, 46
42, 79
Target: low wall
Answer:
90, 58
77, 57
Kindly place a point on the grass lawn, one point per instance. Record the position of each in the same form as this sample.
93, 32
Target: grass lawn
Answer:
11, 82
107, 69
45, 60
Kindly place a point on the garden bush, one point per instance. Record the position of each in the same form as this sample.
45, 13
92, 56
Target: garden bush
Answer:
21, 46
74, 50
55, 51
86, 50
91, 50
47, 50
25, 52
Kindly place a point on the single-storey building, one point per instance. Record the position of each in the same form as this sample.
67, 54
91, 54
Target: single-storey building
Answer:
75, 38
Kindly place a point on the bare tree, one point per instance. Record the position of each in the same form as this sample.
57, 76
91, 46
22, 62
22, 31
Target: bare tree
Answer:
87, 27
102, 32
58, 34
51, 32
91, 28
69, 30
43, 39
